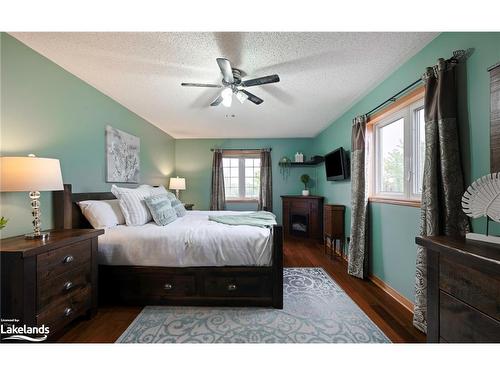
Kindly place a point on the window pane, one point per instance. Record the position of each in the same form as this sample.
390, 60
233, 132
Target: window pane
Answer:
419, 156
391, 154
252, 177
231, 179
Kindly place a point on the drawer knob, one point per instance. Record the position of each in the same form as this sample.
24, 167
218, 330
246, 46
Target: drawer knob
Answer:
168, 286
68, 259
68, 285
232, 287
68, 311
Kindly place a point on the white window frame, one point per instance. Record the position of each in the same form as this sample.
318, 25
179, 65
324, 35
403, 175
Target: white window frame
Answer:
408, 113
241, 177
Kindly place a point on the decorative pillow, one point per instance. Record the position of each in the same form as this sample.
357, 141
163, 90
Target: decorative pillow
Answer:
102, 214
178, 207
132, 204
161, 209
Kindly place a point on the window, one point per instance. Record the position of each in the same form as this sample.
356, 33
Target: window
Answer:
399, 153
241, 177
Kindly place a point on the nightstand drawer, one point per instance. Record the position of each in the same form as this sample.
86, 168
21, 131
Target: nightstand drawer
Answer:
64, 259
51, 289
61, 312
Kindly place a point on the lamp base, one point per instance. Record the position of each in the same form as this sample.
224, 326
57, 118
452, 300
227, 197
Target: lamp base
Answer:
34, 236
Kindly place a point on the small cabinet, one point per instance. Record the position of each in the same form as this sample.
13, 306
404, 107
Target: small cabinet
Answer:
334, 236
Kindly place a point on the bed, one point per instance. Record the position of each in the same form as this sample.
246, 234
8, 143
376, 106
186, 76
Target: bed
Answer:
192, 261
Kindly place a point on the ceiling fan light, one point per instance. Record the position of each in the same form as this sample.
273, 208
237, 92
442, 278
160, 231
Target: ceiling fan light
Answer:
226, 101
226, 93
241, 96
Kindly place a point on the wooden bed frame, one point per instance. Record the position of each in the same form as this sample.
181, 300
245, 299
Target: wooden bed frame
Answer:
209, 286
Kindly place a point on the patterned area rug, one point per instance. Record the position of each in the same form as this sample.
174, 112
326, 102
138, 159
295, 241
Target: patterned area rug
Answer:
316, 310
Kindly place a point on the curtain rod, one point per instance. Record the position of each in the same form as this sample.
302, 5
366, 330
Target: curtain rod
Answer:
457, 55
242, 149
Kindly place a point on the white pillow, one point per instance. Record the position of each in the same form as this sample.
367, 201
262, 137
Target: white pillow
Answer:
132, 204
102, 214
158, 190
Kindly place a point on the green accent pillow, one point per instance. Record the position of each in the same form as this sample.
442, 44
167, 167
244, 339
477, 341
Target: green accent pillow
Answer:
161, 209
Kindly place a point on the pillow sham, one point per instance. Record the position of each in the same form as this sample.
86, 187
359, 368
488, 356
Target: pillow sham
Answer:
102, 214
161, 209
178, 207
132, 204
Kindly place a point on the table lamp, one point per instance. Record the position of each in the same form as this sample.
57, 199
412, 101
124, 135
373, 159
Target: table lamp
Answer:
34, 175
177, 183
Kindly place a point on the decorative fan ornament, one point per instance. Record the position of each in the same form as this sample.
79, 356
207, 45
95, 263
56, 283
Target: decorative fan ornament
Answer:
482, 198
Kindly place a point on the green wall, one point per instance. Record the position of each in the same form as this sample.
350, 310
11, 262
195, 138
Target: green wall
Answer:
193, 160
393, 228
49, 112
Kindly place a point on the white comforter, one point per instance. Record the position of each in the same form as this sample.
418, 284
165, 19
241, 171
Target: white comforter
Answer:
190, 241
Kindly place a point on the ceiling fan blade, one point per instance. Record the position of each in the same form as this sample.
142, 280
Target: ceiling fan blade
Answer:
254, 99
261, 81
200, 85
225, 68
217, 101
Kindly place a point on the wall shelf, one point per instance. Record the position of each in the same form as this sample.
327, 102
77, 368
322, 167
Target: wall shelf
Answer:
308, 163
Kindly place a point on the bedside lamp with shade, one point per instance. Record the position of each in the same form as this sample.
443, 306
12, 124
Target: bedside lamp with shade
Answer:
33, 175
177, 183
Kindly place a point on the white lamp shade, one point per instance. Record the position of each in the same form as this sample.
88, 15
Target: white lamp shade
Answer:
30, 174
177, 183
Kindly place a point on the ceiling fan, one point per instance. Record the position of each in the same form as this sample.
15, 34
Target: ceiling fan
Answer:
232, 84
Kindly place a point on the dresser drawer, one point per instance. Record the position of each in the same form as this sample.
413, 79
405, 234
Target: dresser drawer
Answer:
237, 286
477, 288
63, 311
51, 289
459, 322
61, 260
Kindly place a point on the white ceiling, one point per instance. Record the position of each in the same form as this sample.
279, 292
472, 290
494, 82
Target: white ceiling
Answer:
322, 75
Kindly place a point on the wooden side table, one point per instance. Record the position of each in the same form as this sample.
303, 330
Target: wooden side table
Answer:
334, 228
49, 282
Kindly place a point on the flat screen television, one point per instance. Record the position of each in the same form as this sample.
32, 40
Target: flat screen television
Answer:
337, 165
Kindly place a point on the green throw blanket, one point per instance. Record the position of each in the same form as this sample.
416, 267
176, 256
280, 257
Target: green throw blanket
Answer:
257, 219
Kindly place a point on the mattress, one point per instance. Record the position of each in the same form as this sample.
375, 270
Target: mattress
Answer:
189, 241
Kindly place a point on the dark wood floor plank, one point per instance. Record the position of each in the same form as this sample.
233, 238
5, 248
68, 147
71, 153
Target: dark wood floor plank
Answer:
393, 319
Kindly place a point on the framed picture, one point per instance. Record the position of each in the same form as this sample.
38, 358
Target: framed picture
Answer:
122, 156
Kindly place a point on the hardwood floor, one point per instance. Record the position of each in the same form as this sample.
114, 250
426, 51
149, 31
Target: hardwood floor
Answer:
385, 312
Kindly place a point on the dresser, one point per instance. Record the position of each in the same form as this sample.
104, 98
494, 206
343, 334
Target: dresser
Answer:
333, 224
463, 290
303, 216
49, 282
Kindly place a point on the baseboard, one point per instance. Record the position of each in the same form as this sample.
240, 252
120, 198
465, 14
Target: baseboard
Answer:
402, 300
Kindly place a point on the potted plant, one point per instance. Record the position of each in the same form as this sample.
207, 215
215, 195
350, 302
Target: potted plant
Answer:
3, 222
305, 180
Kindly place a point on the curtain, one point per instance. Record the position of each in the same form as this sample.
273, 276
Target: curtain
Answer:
443, 184
218, 196
358, 253
266, 182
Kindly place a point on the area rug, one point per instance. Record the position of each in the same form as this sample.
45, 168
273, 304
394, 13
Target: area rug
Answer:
316, 310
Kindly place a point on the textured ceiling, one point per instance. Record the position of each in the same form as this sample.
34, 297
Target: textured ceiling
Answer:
322, 75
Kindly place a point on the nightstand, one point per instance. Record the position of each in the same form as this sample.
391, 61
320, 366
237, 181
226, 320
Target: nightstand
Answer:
188, 206
50, 282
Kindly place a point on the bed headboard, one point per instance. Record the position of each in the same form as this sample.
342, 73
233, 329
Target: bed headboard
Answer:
67, 213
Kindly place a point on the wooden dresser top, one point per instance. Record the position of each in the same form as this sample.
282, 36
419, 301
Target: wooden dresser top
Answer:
57, 238
460, 246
